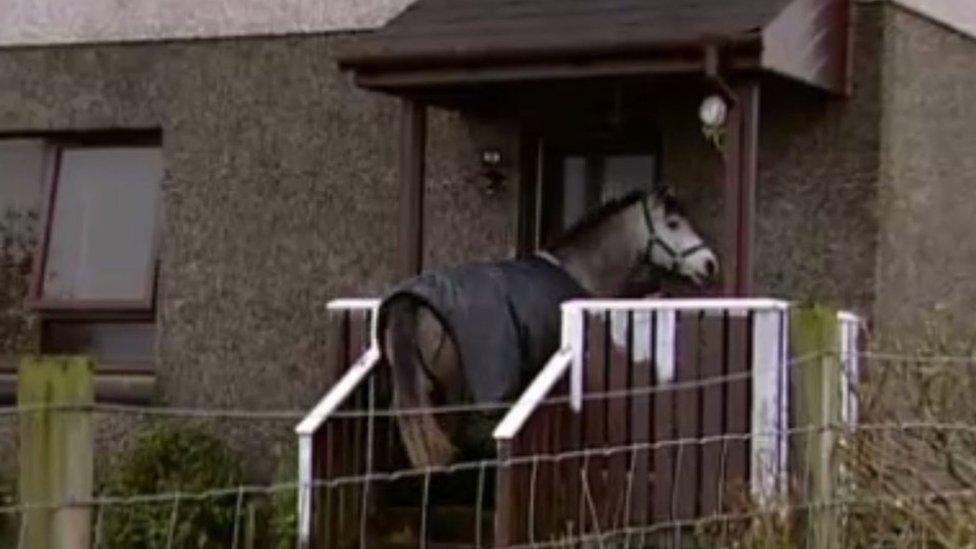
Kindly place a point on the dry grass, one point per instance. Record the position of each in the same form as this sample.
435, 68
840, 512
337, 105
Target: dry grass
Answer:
907, 476
918, 477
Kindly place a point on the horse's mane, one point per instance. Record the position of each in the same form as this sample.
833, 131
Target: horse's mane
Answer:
595, 217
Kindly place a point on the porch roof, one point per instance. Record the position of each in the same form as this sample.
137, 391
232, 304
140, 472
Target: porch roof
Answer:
436, 43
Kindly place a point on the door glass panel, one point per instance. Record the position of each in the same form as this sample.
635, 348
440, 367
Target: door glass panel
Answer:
574, 189
583, 171
624, 174
593, 180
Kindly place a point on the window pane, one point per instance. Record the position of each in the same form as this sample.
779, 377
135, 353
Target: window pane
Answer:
112, 344
102, 225
624, 174
574, 189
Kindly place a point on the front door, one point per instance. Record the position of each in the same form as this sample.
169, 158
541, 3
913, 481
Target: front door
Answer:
583, 171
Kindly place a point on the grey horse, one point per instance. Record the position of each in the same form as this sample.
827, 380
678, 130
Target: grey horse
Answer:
479, 333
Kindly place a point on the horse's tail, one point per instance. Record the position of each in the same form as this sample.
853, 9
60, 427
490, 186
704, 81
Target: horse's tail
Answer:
424, 439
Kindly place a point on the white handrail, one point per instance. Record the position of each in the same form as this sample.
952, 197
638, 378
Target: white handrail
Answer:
353, 304
516, 417
307, 428
359, 304
339, 393
697, 304
317, 417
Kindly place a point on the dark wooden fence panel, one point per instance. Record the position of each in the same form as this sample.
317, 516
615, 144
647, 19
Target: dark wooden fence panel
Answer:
656, 454
570, 519
686, 474
618, 421
661, 438
641, 381
712, 361
662, 434
738, 408
595, 421
538, 487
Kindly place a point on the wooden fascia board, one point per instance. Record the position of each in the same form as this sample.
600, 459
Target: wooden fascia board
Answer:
811, 41
448, 76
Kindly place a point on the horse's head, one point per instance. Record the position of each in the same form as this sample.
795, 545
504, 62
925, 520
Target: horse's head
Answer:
621, 248
673, 243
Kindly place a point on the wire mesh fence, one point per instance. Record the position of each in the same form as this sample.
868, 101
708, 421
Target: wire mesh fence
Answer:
906, 477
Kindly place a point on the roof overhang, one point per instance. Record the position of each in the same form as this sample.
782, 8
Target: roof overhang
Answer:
449, 43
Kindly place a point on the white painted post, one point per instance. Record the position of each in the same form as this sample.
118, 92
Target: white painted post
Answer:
664, 345
850, 366
304, 490
768, 404
641, 346
784, 402
572, 338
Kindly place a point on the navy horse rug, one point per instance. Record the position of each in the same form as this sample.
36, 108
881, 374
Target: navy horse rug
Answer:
504, 318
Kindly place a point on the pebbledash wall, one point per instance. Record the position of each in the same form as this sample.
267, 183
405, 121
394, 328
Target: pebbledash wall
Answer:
280, 189
279, 194
926, 266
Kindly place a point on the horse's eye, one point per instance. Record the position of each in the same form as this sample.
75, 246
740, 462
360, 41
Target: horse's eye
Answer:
673, 224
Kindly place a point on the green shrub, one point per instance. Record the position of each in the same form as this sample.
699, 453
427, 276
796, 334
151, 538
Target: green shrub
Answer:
167, 460
283, 524
8, 521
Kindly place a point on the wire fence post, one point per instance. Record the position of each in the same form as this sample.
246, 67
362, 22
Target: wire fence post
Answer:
57, 450
817, 390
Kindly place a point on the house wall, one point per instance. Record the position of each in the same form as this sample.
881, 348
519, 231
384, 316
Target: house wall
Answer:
817, 223
280, 194
927, 254
959, 15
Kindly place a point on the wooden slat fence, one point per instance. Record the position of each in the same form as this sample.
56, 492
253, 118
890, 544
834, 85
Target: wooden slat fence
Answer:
668, 398
652, 414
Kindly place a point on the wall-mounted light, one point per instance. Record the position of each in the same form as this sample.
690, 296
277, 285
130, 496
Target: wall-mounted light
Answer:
491, 163
713, 111
491, 157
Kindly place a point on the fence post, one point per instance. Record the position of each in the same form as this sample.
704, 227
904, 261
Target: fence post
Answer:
816, 378
56, 450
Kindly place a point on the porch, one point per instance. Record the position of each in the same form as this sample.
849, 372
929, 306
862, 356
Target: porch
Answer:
674, 86
656, 418
595, 101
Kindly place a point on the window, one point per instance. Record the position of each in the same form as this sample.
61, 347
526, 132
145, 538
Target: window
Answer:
94, 268
98, 248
